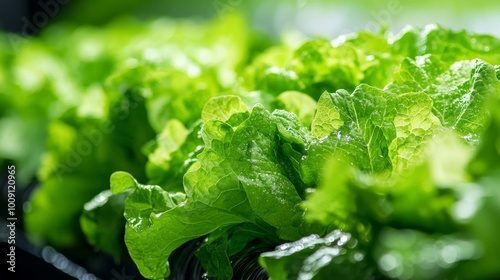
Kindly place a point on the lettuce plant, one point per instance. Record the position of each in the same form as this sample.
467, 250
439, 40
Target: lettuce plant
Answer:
356, 182
370, 156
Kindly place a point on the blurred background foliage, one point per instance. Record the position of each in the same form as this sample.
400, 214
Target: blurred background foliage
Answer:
314, 17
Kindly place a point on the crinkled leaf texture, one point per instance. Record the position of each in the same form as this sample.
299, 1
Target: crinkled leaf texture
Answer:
385, 158
239, 177
256, 166
376, 129
458, 92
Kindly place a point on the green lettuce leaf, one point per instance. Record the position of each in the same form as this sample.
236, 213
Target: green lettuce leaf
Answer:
336, 255
355, 201
458, 93
487, 158
391, 138
213, 255
358, 125
298, 103
234, 180
449, 45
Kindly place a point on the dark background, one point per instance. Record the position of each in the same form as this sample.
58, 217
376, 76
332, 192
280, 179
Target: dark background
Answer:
15, 13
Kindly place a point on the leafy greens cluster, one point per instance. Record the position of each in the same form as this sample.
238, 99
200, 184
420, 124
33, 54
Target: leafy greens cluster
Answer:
371, 156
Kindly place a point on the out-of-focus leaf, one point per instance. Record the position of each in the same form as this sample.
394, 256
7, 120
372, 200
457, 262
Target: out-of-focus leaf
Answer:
410, 254
312, 257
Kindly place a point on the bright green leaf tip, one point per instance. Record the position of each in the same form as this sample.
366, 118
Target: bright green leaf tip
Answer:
122, 181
